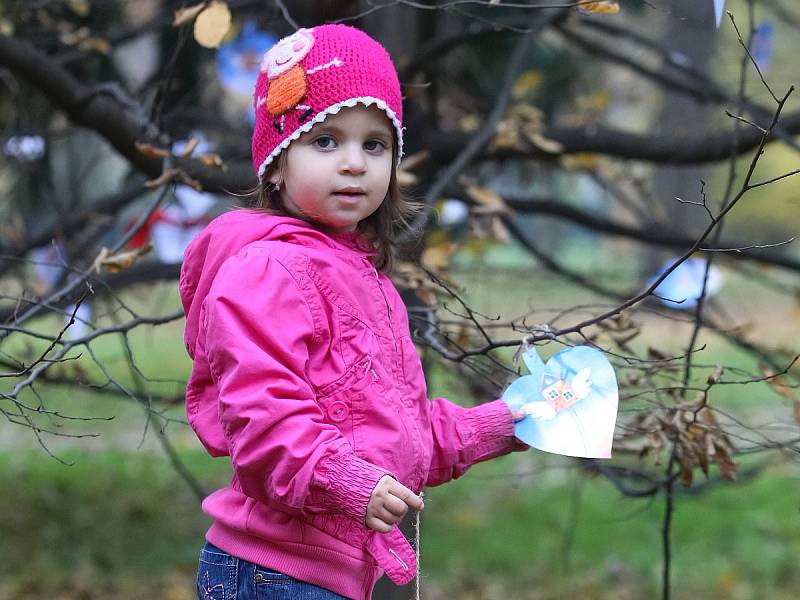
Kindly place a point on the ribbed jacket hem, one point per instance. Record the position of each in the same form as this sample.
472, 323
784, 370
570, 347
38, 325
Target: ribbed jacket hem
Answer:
326, 568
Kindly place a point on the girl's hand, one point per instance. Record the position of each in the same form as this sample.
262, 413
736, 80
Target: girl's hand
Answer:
388, 504
519, 445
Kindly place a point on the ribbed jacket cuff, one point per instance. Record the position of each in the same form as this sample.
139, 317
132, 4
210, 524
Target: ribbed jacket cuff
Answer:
492, 430
345, 484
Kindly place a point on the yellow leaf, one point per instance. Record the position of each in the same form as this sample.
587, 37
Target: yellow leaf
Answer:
438, 257
212, 24
79, 7
187, 15
606, 7
587, 161
526, 83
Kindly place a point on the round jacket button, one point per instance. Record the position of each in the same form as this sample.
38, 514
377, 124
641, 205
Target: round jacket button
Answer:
338, 411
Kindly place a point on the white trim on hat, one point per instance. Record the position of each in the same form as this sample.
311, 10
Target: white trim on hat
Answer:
332, 110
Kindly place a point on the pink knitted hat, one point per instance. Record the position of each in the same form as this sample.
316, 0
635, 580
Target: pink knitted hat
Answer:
313, 73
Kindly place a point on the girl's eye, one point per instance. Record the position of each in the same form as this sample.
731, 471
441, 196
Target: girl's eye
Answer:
325, 142
374, 146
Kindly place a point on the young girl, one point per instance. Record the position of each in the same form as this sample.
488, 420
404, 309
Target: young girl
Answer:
304, 371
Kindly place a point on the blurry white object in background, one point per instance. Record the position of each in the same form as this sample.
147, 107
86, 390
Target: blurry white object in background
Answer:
26, 148
682, 287
453, 212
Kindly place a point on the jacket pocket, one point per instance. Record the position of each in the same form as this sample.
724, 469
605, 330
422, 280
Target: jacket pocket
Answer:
341, 400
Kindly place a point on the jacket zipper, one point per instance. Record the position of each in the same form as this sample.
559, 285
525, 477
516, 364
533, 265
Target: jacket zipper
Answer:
380, 285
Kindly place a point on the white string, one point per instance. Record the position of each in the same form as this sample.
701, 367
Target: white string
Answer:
417, 538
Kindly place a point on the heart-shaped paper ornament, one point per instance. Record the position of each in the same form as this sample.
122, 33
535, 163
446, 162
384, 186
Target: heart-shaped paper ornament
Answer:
570, 403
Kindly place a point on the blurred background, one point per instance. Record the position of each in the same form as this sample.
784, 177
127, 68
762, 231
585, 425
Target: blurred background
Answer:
616, 174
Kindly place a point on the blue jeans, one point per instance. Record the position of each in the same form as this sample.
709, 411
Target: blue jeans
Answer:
221, 576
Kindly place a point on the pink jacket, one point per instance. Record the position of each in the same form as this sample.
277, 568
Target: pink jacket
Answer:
305, 375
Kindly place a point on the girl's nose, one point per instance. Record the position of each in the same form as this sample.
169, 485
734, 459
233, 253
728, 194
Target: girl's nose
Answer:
353, 160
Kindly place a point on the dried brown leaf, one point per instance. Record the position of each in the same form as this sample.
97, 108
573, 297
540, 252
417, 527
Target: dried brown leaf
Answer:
488, 200
714, 377
727, 467
605, 7
212, 160
414, 160
151, 151
190, 146
122, 260
543, 143
97, 44
656, 354
687, 475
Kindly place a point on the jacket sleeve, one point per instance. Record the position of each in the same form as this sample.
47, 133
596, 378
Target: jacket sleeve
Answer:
258, 330
463, 437
460, 437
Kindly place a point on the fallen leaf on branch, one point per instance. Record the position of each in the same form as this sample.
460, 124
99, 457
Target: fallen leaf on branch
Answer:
97, 44
171, 175
606, 7
151, 151
187, 15
714, 377
404, 175
489, 201
438, 257
777, 383
212, 160
190, 146
507, 136
120, 261
212, 24
588, 161
543, 143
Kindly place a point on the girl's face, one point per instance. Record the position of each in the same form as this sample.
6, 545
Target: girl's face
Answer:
338, 173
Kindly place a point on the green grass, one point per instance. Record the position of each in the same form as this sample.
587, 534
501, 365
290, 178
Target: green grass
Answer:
119, 517
524, 529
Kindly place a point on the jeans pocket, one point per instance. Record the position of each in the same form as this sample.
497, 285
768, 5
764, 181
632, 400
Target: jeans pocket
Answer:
271, 585
216, 574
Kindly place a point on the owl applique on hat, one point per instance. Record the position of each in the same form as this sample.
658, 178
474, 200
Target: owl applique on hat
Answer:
287, 74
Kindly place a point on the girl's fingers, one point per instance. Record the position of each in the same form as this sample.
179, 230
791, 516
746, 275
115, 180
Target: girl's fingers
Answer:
408, 497
395, 506
377, 525
387, 516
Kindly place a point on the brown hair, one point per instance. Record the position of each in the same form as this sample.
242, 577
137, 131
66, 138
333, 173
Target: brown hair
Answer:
383, 227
